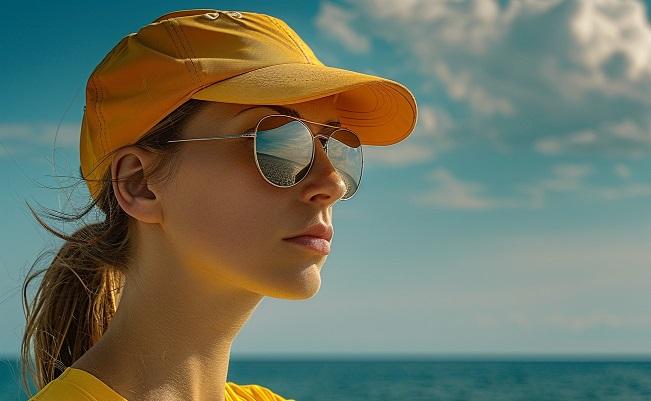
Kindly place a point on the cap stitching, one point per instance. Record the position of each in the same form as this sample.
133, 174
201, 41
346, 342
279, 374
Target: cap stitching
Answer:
290, 37
94, 109
191, 54
100, 117
170, 32
413, 98
174, 24
104, 140
96, 85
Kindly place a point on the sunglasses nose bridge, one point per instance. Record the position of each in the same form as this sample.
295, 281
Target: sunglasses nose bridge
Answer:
323, 139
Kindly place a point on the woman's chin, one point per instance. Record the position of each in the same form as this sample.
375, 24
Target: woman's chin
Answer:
302, 285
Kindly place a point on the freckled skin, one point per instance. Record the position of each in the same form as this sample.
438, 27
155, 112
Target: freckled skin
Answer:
208, 246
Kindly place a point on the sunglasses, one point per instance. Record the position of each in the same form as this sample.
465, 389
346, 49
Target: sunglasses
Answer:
284, 150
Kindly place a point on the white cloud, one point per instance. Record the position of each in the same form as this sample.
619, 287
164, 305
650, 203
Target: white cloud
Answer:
433, 129
337, 23
430, 137
571, 179
629, 130
468, 24
622, 171
428, 119
630, 190
565, 178
614, 38
623, 138
402, 154
451, 192
553, 146
529, 68
460, 87
24, 135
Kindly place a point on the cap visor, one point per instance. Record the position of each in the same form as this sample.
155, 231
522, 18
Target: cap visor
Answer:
379, 110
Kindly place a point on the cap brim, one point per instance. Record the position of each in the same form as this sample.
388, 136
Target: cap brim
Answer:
379, 110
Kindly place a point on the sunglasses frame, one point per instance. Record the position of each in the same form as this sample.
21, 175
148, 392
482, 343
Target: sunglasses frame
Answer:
254, 135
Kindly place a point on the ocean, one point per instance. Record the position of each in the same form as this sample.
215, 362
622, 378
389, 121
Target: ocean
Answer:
427, 380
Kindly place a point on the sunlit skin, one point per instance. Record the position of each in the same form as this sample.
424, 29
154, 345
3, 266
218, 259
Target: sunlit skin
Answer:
208, 247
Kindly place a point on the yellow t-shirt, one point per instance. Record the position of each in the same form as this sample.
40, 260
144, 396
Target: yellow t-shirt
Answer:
78, 385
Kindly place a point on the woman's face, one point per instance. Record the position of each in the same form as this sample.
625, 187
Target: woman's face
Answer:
226, 222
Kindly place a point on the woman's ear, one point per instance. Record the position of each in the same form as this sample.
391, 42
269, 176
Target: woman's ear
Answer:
135, 195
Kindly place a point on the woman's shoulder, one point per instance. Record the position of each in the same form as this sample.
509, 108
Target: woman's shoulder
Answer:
251, 392
76, 385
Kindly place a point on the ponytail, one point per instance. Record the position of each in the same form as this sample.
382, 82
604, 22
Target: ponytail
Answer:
80, 290
77, 296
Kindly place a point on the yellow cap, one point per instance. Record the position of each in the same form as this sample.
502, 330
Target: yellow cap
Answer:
224, 56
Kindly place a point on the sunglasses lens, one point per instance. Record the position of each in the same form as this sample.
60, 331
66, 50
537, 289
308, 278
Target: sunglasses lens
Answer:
285, 147
345, 154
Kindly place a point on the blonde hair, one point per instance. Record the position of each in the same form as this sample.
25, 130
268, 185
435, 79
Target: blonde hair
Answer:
80, 290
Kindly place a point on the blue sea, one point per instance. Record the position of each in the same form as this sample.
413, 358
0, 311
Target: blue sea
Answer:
462, 379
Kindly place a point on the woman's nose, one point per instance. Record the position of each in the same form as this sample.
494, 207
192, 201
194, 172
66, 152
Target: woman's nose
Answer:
323, 178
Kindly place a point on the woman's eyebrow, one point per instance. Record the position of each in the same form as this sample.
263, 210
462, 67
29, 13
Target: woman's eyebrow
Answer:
288, 111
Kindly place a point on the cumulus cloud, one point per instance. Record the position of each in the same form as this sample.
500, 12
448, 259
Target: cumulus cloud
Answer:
614, 38
336, 22
460, 86
562, 76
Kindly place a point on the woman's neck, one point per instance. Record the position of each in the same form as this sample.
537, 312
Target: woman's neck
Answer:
168, 341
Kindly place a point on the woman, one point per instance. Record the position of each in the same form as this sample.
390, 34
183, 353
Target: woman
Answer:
199, 145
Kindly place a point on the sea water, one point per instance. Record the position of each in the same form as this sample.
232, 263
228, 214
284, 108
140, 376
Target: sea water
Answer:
426, 380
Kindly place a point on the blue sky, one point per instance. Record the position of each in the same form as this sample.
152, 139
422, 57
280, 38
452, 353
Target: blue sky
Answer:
515, 219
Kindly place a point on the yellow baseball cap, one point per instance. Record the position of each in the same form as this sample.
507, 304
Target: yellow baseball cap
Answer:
224, 56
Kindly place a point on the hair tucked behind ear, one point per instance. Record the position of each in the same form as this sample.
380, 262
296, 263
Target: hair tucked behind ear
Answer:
80, 289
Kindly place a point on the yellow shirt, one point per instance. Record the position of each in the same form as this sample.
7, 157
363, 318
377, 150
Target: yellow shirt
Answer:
78, 385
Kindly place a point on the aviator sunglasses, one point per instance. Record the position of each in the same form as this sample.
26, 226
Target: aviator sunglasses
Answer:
284, 150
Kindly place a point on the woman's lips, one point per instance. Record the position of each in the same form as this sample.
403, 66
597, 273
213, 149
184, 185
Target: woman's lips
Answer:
316, 244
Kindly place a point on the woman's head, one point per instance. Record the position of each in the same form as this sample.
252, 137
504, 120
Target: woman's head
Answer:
218, 218
202, 203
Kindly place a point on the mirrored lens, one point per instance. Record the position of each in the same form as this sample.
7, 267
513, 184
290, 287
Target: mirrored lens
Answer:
345, 154
285, 148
